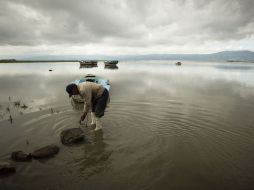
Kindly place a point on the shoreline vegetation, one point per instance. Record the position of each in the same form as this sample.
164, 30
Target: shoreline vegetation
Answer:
34, 61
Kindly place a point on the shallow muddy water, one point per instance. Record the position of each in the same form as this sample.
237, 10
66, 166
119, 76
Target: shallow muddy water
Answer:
167, 127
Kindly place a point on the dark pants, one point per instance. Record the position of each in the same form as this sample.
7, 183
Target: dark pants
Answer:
100, 104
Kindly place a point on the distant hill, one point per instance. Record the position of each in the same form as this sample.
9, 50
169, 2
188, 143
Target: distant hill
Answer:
220, 56
246, 56
234, 55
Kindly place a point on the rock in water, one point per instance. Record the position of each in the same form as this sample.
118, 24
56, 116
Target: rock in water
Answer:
21, 156
6, 168
46, 151
72, 136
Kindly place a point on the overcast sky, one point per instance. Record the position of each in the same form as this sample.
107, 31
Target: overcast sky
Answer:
113, 27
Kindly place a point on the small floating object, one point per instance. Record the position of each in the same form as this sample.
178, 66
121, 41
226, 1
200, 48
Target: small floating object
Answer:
72, 136
6, 168
178, 63
50, 70
21, 156
45, 152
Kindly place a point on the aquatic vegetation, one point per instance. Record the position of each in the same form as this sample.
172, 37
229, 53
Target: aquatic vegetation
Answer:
24, 106
16, 103
8, 109
10, 119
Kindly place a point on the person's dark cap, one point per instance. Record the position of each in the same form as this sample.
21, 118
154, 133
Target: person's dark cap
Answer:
69, 88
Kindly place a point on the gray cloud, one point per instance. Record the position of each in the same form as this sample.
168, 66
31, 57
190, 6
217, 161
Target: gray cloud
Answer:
125, 23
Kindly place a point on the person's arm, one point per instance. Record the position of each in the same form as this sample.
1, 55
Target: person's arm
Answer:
87, 101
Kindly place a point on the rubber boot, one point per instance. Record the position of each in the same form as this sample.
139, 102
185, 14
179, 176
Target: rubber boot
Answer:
93, 118
98, 124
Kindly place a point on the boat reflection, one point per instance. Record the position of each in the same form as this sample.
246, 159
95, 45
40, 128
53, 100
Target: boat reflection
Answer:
113, 67
87, 66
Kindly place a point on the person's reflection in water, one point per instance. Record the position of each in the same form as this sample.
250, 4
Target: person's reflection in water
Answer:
96, 156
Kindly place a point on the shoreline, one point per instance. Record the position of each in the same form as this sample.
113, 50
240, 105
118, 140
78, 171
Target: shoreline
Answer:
75, 61
37, 61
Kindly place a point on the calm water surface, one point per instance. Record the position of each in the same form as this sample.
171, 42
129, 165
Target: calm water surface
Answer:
167, 127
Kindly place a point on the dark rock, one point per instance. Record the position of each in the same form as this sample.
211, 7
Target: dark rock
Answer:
21, 156
6, 168
50, 70
46, 151
72, 136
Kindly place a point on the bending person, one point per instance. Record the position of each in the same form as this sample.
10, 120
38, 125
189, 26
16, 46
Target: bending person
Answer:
95, 98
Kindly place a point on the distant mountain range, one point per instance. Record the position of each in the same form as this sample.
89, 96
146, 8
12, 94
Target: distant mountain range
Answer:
246, 56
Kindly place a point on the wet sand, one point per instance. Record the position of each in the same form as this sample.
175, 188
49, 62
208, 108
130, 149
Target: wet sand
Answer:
167, 127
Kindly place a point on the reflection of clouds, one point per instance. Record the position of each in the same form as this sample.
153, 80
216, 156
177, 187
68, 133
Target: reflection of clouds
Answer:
158, 85
233, 67
42, 86
244, 91
189, 69
141, 79
43, 69
211, 71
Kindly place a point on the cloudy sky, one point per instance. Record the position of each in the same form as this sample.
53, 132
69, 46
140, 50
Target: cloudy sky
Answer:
115, 27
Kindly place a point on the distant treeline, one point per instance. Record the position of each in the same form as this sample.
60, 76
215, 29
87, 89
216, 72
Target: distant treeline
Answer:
7, 60
33, 61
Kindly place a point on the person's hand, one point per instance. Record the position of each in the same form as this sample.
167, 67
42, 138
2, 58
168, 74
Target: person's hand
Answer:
83, 116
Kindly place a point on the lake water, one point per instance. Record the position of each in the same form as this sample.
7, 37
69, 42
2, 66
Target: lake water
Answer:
167, 127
